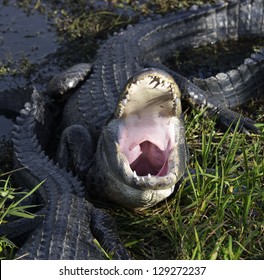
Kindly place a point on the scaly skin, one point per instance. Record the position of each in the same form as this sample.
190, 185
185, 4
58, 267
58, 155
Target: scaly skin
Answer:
89, 113
124, 54
67, 223
112, 173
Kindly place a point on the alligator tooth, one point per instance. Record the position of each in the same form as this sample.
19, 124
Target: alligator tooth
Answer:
127, 97
121, 111
164, 84
124, 101
149, 176
143, 179
167, 84
135, 175
155, 82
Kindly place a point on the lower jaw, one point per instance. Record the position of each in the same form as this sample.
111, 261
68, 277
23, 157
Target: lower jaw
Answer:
135, 198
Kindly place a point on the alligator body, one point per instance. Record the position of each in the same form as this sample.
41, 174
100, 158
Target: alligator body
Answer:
124, 134
68, 224
119, 173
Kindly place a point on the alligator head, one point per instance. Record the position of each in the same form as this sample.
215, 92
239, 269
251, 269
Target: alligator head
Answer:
141, 152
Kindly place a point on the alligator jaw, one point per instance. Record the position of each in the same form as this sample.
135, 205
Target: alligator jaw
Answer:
143, 147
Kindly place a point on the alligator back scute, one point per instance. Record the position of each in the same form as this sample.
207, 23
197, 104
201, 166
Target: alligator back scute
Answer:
67, 217
251, 17
235, 87
233, 20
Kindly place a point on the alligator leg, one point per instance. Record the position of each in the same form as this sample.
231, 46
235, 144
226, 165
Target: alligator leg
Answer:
76, 145
76, 149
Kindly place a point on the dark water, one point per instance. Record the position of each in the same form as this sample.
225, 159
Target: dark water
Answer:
24, 36
27, 38
6, 126
206, 61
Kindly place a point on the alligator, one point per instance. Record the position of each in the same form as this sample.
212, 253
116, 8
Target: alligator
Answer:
139, 157
123, 128
72, 224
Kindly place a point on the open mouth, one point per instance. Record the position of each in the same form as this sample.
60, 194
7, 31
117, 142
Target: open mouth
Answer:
147, 130
146, 141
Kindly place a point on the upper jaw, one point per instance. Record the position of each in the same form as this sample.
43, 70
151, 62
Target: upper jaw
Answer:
150, 89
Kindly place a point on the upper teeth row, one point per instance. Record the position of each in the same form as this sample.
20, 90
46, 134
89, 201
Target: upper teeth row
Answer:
159, 83
156, 82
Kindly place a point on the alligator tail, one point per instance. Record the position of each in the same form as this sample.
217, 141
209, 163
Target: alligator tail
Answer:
235, 87
65, 229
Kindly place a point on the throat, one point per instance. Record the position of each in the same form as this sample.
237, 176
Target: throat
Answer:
151, 160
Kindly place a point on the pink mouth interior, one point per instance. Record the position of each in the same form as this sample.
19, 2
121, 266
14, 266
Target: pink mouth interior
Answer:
150, 160
146, 142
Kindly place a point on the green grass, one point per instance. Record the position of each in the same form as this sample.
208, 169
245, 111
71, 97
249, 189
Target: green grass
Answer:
217, 212
10, 205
